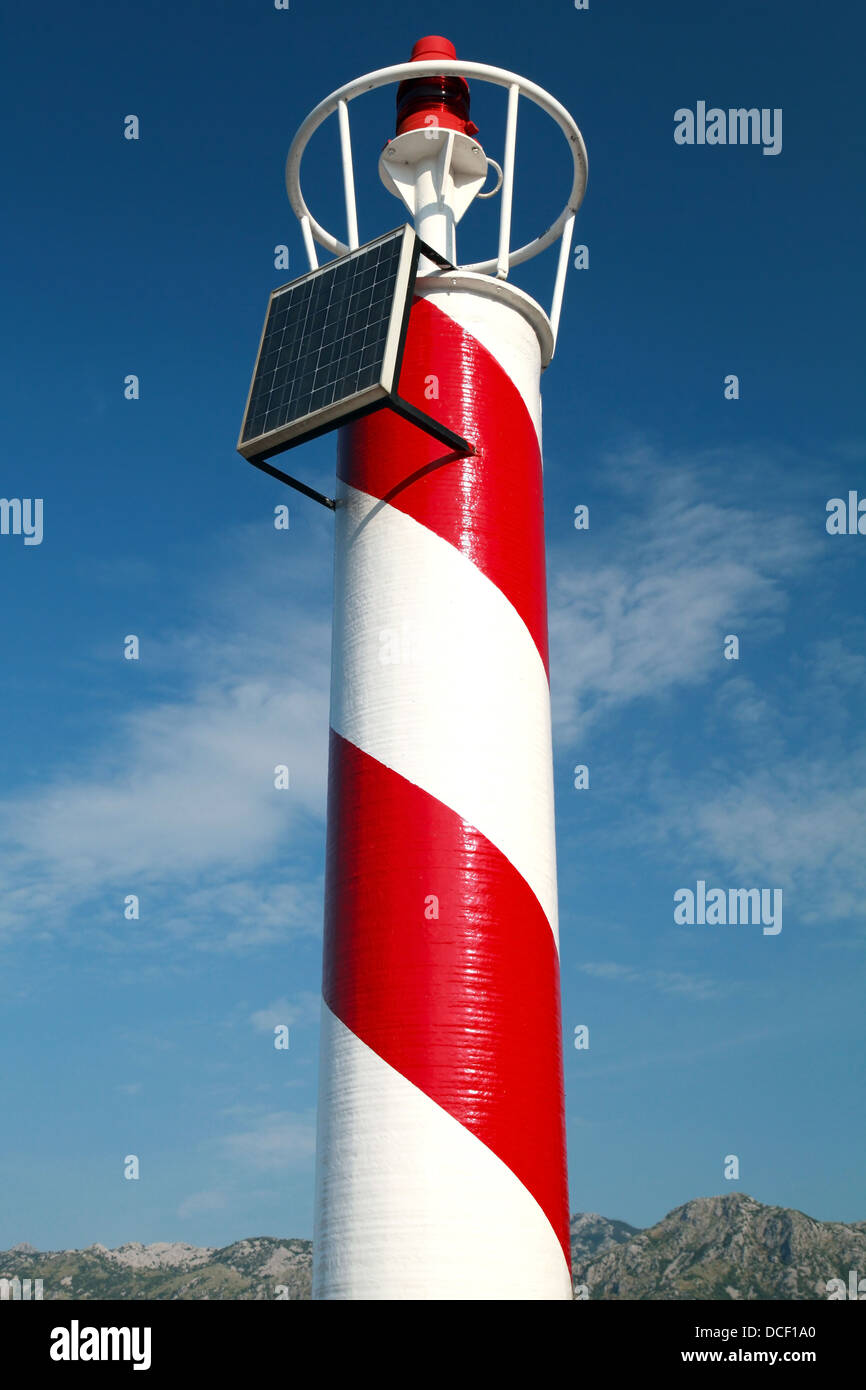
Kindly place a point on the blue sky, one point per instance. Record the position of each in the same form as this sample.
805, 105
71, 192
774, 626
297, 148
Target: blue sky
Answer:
707, 517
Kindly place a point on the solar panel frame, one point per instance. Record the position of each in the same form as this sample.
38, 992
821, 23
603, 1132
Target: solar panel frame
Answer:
380, 392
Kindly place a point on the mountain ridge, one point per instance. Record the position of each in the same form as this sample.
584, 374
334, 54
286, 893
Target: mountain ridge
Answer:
726, 1247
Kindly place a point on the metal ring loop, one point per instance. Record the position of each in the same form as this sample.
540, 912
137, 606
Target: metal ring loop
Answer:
498, 168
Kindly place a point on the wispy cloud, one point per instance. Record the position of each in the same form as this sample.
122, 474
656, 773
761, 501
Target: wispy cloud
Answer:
305, 1008
777, 793
680, 570
674, 982
641, 1059
273, 1142
801, 827
180, 791
201, 1202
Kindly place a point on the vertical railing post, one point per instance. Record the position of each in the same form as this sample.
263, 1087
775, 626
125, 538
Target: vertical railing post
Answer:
561, 270
348, 175
507, 182
310, 245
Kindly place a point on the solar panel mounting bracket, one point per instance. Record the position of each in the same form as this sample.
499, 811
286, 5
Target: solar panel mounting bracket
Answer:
429, 425
330, 502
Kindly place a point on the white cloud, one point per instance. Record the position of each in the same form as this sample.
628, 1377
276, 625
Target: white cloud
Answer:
197, 788
681, 571
181, 791
200, 1202
801, 827
776, 797
235, 913
305, 1008
674, 982
274, 1142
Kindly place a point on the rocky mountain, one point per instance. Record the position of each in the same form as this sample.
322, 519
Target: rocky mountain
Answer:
723, 1248
712, 1248
261, 1268
592, 1236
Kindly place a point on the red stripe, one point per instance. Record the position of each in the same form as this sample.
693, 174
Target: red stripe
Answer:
490, 506
465, 1006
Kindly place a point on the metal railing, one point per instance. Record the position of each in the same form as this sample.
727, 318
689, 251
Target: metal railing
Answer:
498, 266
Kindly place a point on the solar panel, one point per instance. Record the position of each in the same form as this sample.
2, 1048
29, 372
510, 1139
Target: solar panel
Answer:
332, 345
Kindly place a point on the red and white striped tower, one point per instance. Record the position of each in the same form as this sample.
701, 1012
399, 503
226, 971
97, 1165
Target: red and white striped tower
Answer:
441, 1169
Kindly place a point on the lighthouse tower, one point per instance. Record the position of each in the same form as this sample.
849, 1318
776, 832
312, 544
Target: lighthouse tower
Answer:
441, 1168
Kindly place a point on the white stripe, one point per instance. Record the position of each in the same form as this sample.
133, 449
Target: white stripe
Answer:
409, 1203
435, 674
507, 336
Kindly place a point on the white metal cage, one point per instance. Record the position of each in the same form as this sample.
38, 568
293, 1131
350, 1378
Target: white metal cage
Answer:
499, 265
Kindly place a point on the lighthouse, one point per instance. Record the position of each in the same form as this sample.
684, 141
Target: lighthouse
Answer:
441, 1153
